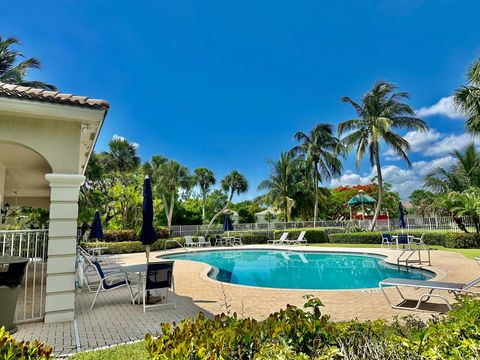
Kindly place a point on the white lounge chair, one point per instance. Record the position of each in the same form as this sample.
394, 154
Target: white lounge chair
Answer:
429, 286
300, 240
189, 241
203, 242
279, 241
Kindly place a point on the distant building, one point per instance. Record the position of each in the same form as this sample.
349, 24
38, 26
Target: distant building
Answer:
269, 215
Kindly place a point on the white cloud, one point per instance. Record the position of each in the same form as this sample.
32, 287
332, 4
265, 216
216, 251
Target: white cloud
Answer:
450, 143
119, 137
444, 107
424, 167
349, 179
418, 140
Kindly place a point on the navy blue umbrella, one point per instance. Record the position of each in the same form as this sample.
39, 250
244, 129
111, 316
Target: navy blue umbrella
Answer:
401, 219
227, 225
96, 231
147, 235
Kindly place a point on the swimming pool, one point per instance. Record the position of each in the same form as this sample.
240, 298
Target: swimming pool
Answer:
299, 270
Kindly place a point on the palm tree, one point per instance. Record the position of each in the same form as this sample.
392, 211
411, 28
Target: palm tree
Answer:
205, 179
281, 184
233, 183
464, 174
172, 177
466, 203
380, 113
121, 156
14, 72
320, 149
467, 98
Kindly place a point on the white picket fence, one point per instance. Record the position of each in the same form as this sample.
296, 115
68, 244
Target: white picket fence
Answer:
431, 223
31, 244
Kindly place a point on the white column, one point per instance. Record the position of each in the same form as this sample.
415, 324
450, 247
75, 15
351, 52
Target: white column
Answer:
62, 235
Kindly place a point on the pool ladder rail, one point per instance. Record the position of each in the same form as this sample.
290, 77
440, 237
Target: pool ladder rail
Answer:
415, 246
178, 243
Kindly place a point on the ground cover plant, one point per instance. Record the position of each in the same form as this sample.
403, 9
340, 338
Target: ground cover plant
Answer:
10, 349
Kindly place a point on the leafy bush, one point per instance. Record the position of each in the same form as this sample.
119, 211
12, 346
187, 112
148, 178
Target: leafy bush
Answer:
436, 237
300, 334
127, 247
312, 235
11, 349
131, 235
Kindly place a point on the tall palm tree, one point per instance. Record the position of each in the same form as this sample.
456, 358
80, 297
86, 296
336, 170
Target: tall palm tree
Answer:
172, 177
233, 183
205, 179
281, 184
319, 148
467, 98
121, 156
464, 174
13, 71
380, 113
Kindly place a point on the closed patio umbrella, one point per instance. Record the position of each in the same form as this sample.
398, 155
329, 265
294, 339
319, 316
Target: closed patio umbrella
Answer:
227, 224
401, 217
96, 231
147, 235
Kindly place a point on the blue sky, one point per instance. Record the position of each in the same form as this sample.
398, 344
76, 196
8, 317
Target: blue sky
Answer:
226, 84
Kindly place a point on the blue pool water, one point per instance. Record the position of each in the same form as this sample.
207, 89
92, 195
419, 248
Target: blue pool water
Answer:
299, 270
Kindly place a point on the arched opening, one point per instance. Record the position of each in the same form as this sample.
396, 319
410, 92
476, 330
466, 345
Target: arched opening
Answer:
22, 176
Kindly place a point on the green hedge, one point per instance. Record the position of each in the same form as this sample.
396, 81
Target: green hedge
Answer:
131, 235
128, 247
11, 349
298, 334
437, 237
312, 235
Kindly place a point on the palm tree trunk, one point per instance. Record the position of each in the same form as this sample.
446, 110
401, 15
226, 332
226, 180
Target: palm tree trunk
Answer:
170, 212
203, 206
380, 189
227, 205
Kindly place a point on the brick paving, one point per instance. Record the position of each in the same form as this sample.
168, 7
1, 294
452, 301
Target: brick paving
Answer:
114, 320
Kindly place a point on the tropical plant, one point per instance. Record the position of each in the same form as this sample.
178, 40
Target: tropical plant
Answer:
282, 184
422, 202
14, 71
467, 98
380, 113
172, 177
462, 175
319, 148
205, 179
466, 203
121, 156
233, 183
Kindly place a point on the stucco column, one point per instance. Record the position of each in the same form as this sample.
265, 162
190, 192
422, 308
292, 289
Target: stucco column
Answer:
62, 235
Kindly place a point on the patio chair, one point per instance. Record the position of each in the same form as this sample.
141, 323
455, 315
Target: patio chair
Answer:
402, 240
279, 241
159, 276
219, 241
189, 241
387, 240
237, 241
429, 286
300, 240
107, 281
203, 242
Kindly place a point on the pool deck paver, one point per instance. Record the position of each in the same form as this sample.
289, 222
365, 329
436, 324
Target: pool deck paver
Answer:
114, 320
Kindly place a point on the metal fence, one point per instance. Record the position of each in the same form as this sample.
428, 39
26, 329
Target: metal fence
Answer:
427, 224
31, 244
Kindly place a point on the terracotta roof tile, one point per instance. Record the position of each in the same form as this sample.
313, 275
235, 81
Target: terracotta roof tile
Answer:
28, 93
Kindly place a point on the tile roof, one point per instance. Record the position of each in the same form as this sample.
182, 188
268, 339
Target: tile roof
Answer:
28, 93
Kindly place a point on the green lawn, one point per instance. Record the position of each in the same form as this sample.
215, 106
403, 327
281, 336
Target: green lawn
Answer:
468, 253
135, 351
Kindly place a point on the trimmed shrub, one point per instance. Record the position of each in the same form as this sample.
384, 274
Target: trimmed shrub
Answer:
312, 235
127, 247
436, 237
299, 334
119, 235
162, 232
11, 349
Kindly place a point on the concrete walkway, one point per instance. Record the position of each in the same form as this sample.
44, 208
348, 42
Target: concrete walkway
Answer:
114, 320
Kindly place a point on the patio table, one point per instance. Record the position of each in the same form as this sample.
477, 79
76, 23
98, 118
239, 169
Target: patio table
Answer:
395, 237
97, 250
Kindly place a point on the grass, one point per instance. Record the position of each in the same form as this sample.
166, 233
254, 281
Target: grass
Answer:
468, 253
135, 351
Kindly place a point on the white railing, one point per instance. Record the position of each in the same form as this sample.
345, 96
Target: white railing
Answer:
31, 244
430, 223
